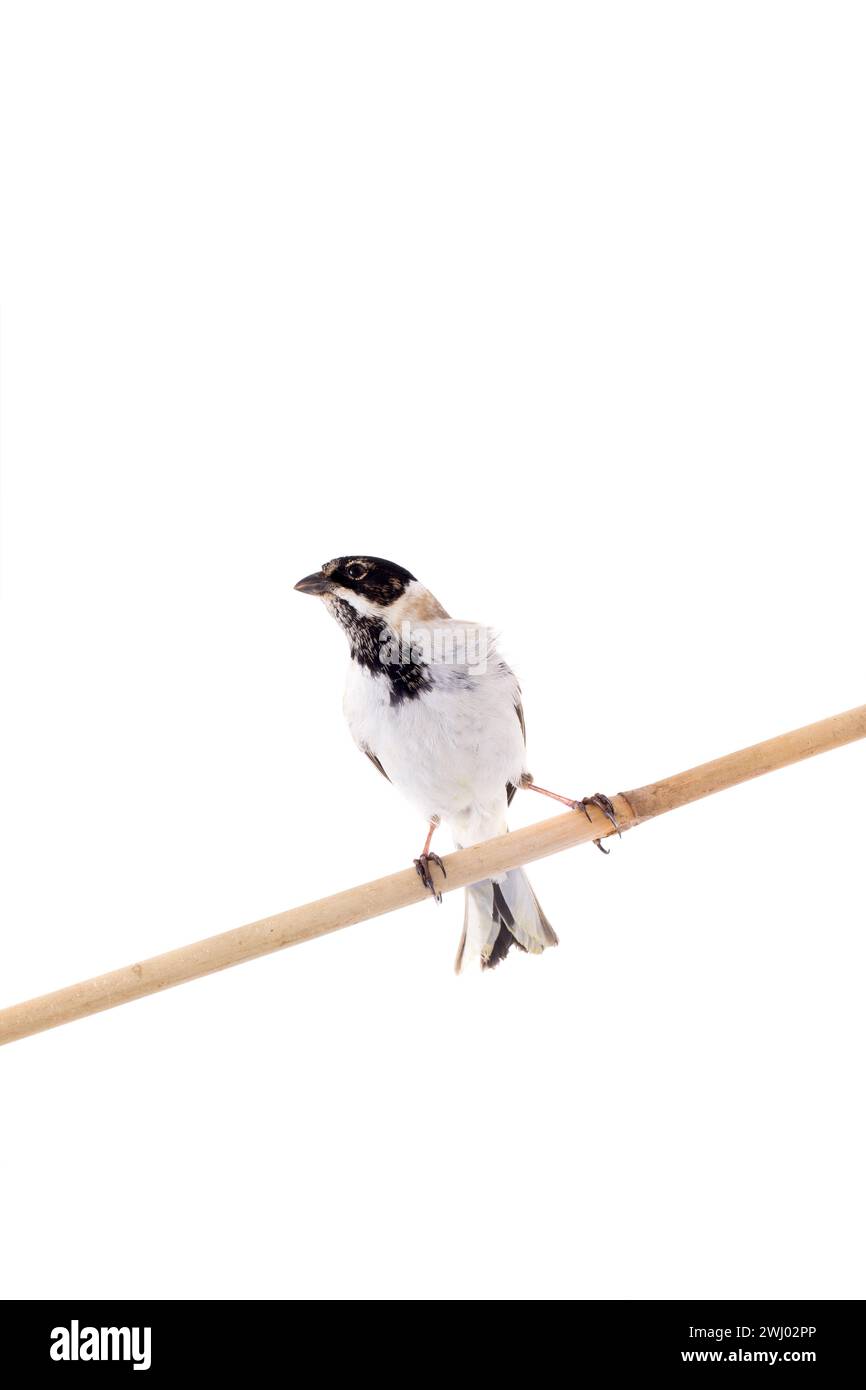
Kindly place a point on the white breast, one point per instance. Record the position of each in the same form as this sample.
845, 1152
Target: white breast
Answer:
450, 751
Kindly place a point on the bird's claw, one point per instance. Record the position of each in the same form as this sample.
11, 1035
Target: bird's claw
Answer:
605, 805
422, 868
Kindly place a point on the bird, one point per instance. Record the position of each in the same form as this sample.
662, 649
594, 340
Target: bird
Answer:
438, 712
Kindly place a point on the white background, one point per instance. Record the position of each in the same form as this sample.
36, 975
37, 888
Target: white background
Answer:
562, 307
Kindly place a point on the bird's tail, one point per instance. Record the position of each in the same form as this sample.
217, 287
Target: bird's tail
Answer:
500, 914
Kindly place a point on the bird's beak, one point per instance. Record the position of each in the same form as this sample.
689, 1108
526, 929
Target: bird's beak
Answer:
313, 584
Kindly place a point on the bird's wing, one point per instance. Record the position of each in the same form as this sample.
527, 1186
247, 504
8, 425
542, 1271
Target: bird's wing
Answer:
375, 761
510, 788
518, 709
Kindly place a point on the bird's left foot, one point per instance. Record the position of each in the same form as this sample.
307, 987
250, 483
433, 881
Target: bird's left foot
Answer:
604, 804
422, 868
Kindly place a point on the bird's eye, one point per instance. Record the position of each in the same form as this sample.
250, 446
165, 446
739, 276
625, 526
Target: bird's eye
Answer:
356, 571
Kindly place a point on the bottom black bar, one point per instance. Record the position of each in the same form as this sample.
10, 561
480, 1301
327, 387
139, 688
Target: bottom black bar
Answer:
244, 1339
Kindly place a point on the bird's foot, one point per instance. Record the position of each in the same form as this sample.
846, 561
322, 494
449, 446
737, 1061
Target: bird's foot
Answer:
604, 804
422, 868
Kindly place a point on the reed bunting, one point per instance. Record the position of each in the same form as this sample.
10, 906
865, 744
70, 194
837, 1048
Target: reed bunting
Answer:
438, 712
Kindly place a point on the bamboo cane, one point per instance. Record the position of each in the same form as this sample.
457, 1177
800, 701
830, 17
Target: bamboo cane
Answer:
404, 888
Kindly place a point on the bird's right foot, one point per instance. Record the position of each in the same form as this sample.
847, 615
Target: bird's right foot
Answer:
422, 868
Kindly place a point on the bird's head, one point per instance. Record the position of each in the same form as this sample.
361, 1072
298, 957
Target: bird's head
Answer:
372, 587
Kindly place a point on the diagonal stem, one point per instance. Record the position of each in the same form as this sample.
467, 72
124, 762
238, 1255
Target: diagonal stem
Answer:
404, 888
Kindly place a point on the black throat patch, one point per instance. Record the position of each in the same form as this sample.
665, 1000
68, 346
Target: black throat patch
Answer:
374, 645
